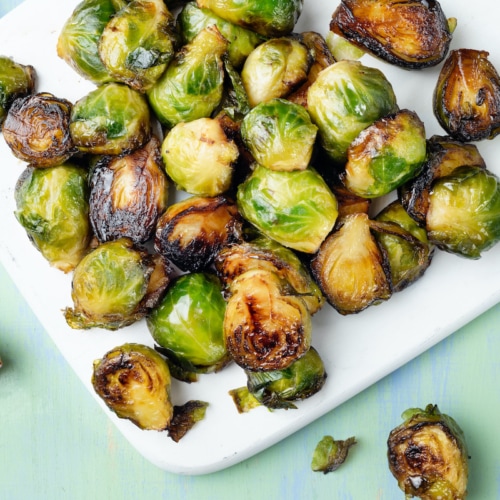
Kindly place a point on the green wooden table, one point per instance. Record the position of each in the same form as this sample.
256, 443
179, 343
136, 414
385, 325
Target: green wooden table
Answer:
56, 443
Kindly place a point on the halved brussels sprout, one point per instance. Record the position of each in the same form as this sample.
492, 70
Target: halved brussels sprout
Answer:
199, 157
52, 206
115, 285
297, 208
385, 155
466, 98
128, 193
411, 34
330, 454
112, 119
192, 85
36, 129
134, 382
427, 455
279, 135
346, 98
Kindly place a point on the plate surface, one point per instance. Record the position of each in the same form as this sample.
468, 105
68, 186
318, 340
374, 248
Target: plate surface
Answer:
357, 350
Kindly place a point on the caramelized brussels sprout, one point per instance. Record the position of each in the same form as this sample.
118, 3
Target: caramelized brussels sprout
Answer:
192, 85
188, 323
16, 80
346, 98
36, 129
78, 41
385, 155
296, 208
330, 454
350, 267
427, 455
411, 34
266, 17
275, 68
134, 382
279, 135
467, 96
115, 285
191, 232
112, 119
52, 206
128, 194
138, 43
199, 157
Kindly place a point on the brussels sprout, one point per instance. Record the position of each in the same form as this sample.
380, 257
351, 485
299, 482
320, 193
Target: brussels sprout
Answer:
385, 155
275, 68
188, 323
466, 98
350, 267
36, 129
115, 285
16, 80
266, 17
138, 43
280, 135
192, 85
267, 326
427, 455
112, 119
52, 206
412, 35
128, 194
191, 232
330, 454
134, 382
199, 157
242, 41
78, 41
346, 98
297, 209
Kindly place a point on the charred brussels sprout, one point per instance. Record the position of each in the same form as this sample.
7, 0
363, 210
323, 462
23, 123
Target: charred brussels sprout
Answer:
52, 206
427, 455
128, 193
330, 454
115, 285
112, 119
280, 135
412, 34
346, 98
134, 382
467, 96
297, 209
192, 85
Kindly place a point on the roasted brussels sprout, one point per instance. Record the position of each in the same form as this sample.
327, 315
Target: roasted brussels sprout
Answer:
78, 41
275, 68
427, 455
193, 83
279, 135
330, 454
297, 208
16, 80
266, 17
385, 155
36, 129
134, 382
52, 206
112, 119
466, 98
350, 267
188, 323
346, 98
128, 193
115, 285
138, 43
191, 232
199, 157
411, 34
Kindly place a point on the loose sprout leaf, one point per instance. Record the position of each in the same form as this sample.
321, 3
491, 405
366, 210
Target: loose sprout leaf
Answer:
330, 454
185, 417
244, 400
